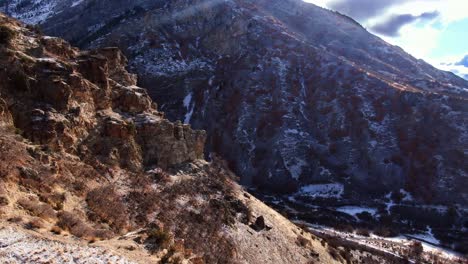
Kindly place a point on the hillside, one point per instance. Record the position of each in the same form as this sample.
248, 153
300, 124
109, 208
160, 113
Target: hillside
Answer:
91, 172
289, 93
302, 102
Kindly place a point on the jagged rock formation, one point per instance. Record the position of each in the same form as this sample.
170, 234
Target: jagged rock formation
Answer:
84, 152
289, 93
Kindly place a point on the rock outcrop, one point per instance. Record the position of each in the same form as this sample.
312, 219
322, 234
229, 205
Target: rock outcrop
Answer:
87, 103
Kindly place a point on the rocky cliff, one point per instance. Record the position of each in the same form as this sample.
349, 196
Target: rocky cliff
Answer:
289, 93
91, 172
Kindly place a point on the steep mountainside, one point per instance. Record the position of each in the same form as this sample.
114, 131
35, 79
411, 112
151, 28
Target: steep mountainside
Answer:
289, 93
297, 99
97, 175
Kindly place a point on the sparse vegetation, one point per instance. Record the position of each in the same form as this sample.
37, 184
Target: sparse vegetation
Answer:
35, 223
158, 239
35, 28
171, 258
415, 250
4, 200
6, 35
107, 206
131, 128
73, 224
36, 208
56, 230
363, 232
303, 242
386, 231
55, 200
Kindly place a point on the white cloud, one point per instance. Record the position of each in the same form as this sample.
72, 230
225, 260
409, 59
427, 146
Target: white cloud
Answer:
451, 63
419, 42
419, 39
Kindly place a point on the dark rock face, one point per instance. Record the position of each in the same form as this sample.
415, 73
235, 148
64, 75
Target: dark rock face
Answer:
289, 93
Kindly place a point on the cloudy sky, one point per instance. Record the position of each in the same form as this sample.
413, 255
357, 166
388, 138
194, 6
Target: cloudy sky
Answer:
433, 30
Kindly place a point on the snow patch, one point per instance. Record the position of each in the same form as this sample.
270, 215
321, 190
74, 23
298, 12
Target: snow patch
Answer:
428, 237
294, 167
331, 190
190, 107
75, 3
355, 210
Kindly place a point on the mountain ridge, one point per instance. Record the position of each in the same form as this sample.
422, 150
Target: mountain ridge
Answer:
80, 181
294, 96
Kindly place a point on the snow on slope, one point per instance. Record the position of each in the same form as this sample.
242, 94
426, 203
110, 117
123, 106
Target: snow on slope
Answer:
19, 247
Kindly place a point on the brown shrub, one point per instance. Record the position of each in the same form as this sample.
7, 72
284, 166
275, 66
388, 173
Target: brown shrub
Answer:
346, 255
334, 253
363, 232
56, 230
35, 223
37, 208
157, 239
161, 176
197, 260
107, 206
4, 201
171, 257
15, 219
415, 250
79, 187
302, 241
71, 223
7, 34
19, 80
385, 231
55, 200
345, 228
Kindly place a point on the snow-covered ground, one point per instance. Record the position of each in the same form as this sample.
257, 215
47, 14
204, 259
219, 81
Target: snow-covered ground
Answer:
331, 190
355, 210
393, 245
19, 247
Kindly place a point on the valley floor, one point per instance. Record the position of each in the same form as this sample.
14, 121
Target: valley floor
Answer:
398, 246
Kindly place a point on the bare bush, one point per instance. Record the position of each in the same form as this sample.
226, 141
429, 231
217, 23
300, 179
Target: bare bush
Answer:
363, 232
54, 199
73, 224
415, 250
106, 205
158, 239
35, 223
302, 241
37, 208
7, 34
56, 230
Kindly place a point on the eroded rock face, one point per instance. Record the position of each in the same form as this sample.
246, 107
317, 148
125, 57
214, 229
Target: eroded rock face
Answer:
289, 93
86, 103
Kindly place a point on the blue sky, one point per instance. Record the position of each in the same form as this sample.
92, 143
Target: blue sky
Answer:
433, 30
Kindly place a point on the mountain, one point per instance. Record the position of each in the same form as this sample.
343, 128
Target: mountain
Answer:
91, 172
296, 98
289, 93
